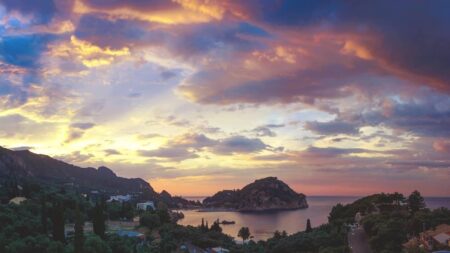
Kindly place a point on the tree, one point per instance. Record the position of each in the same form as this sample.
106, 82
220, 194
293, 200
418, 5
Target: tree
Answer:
44, 215
397, 198
150, 220
94, 244
415, 201
244, 233
78, 236
98, 219
163, 212
57, 218
216, 227
308, 226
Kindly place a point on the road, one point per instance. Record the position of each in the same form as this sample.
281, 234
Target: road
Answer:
357, 241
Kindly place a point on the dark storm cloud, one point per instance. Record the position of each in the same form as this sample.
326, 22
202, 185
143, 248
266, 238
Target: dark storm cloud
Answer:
407, 40
413, 36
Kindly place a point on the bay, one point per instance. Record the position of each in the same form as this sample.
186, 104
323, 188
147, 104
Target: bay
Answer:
262, 225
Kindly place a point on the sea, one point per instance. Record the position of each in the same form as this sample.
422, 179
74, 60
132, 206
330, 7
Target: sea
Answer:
263, 225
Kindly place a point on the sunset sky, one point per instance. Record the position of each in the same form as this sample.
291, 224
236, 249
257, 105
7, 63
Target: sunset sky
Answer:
196, 96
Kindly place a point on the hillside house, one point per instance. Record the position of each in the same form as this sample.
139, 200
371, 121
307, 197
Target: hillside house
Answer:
146, 206
120, 198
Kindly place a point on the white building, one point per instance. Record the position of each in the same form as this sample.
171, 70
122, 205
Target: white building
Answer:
220, 250
120, 198
146, 206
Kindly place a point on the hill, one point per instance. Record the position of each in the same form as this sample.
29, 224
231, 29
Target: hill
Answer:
262, 195
28, 165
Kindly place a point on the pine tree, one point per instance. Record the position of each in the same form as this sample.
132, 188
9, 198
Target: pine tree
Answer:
79, 235
308, 226
415, 201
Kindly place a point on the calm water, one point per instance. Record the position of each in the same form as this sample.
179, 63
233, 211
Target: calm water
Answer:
263, 225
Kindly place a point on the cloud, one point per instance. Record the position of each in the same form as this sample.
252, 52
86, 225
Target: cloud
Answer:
22, 148
82, 125
332, 127
155, 11
113, 34
75, 157
442, 146
426, 115
239, 145
42, 11
262, 131
86, 53
195, 141
18, 128
170, 153
110, 152
77, 130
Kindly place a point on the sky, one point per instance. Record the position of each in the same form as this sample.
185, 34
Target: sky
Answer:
196, 96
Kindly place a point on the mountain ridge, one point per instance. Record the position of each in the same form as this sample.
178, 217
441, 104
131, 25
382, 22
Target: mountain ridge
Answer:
26, 164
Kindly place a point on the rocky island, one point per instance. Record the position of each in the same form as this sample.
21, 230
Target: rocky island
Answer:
265, 194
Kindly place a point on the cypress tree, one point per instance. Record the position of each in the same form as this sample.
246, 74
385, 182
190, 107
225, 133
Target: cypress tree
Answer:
58, 221
308, 226
44, 215
98, 221
79, 235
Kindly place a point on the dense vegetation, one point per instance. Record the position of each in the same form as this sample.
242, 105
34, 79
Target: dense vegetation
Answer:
391, 219
38, 225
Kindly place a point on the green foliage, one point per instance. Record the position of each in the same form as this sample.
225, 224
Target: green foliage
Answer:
79, 235
308, 226
216, 227
57, 217
244, 233
95, 244
326, 238
121, 244
415, 201
150, 220
390, 228
120, 211
388, 222
99, 218
163, 212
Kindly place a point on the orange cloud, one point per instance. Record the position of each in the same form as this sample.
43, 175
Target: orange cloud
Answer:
184, 12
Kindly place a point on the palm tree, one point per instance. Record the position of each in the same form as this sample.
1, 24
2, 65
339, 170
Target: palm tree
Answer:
244, 233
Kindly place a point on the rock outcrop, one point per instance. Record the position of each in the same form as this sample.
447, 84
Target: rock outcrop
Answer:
263, 195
